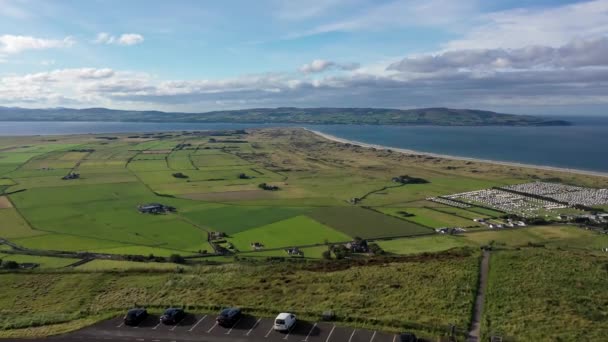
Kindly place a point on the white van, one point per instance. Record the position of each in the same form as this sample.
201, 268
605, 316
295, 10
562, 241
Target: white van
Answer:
284, 321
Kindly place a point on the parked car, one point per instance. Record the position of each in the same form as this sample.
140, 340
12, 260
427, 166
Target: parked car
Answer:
407, 337
172, 316
284, 321
135, 316
228, 317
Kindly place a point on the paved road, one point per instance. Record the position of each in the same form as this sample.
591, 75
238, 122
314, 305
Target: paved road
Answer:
200, 327
475, 331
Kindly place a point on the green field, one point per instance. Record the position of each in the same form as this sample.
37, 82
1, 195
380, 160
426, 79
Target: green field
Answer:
234, 219
551, 236
424, 244
366, 223
296, 231
357, 294
429, 218
547, 295
545, 281
43, 261
14, 226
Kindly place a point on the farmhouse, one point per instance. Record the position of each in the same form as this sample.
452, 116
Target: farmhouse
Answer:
294, 251
357, 246
180, 175
256, 246
268, 187
71, 175
217, 235
451, 231
155, 208
409, 180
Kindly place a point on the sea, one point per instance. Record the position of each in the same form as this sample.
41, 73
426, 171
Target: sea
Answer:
582, 146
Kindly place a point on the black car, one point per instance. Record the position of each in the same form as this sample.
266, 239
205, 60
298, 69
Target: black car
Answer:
135, 316
407, 337
228, 317
172, 316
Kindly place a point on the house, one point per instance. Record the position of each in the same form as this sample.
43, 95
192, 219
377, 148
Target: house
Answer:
357, 246
155, 208
71, 175
268, 187
256, 246
294, 251
217, 235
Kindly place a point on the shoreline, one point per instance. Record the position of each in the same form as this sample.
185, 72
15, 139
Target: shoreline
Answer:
445, 156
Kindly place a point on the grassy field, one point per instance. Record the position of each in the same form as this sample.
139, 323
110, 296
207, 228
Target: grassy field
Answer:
296, 231
362, 293
551, 236
432, 284
424, 244
547, 295
429, 217
44, 262
365, 223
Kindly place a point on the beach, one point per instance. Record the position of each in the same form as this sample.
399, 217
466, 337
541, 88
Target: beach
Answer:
497, 162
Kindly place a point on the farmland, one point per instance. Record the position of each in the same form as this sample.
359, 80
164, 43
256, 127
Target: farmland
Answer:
228, 228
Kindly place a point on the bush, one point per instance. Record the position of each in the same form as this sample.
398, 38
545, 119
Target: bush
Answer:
177, 259
10, 265
326, 255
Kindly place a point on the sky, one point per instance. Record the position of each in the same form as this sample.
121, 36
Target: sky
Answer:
516, 56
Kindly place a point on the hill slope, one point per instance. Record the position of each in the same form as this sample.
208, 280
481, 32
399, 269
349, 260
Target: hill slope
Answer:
371, 116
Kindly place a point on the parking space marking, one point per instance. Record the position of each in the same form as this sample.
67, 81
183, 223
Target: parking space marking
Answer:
310, 332
197, 323
215, 325
331, 332
156, 327
351, 335
394, 338
232, 327
374, 335
253, 327
289, 331
176, 325
269, 331
120, 325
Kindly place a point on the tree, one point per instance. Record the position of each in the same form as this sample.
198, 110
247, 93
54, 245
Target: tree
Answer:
340, 251
177, 259
10, 265
374, 248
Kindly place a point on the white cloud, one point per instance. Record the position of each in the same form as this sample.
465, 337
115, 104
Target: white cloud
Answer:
130, 39
11, 44
321, 65
448, 14
123, 89
578, 53
126, 39
546, 26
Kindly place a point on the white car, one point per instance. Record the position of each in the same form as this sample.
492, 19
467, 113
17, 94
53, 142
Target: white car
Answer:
284, 321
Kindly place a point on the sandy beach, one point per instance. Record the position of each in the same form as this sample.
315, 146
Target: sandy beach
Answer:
407, 151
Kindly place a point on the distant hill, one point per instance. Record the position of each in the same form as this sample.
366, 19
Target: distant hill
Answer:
289, 115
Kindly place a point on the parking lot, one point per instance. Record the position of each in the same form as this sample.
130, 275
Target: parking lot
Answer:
201, 327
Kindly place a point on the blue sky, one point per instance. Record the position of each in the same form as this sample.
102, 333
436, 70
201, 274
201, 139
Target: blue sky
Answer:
517, 56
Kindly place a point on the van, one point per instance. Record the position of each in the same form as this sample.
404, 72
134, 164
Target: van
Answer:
284, 321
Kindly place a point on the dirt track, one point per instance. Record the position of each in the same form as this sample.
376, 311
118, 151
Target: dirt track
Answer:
475, 330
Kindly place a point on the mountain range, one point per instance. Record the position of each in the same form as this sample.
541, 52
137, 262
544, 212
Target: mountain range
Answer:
289, 115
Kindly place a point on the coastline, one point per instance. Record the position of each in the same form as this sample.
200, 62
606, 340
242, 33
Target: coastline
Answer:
445, 156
